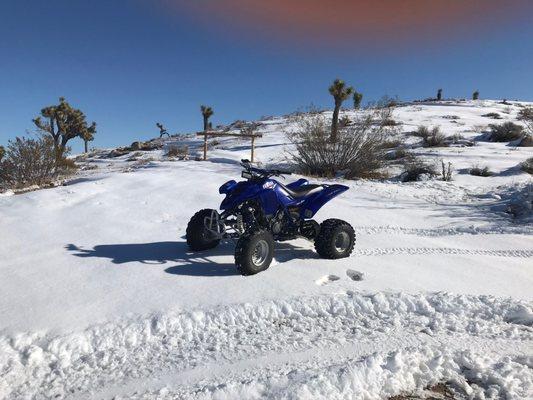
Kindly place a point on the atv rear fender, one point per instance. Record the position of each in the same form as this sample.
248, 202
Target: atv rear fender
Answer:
315, 202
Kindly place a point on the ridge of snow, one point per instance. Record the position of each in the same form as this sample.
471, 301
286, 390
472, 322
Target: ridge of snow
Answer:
40, 365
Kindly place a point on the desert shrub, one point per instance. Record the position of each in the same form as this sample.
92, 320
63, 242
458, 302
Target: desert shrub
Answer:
505, 132
431, 137
390, 122
476, 170
30, 162
397, 154
527, 165
418, 170
475, 95
357, 151
66, 165
344, 121
493, 115
452, 117
179, 152
392, 142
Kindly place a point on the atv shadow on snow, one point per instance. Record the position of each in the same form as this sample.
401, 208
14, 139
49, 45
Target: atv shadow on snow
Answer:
190, 263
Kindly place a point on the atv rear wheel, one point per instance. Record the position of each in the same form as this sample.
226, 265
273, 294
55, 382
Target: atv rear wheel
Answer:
254, 252
198, 237
335, 239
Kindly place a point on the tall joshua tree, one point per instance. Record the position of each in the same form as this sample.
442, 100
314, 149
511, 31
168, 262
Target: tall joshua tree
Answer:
63, 123
340, 92
206, 113
475, 95
357, 99
439, 94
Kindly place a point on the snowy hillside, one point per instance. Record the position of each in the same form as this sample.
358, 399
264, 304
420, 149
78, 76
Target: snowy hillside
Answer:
100, 297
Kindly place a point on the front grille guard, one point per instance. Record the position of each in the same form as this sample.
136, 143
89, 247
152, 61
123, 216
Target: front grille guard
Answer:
218, 224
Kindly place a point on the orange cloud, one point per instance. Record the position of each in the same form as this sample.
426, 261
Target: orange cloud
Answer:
355, 21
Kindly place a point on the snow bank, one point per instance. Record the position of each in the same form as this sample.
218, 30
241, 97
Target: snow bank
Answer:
43, 365
377, 377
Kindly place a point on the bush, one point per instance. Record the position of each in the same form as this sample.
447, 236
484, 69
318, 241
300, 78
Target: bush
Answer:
480, 171
527, 166
397, 154
357, 152
505, 132
431, 137
390, 122
344, 121
418, 170
493, 115
179, 152
29, 162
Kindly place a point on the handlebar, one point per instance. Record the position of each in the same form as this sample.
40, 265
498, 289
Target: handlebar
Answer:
263, 173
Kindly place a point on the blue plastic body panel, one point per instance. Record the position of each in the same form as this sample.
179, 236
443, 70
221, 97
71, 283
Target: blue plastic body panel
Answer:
272, 196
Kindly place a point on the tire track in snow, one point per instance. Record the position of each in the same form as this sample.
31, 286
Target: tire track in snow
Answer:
442, 250
436, 232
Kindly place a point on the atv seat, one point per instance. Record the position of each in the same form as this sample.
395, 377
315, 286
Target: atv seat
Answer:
303, 190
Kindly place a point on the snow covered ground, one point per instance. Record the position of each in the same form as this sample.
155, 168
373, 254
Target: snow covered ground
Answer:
100, 297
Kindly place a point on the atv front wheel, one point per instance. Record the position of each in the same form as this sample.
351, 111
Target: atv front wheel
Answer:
198, 236
335, 239
254, 252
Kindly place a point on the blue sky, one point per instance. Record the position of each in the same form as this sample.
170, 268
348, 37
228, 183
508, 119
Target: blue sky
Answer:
130, 63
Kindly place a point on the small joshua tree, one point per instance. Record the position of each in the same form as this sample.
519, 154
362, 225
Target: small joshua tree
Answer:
63, 123
439, 94
526, 116
207, 112
162, 130
340, 92
475, 95
87, 135
357, 99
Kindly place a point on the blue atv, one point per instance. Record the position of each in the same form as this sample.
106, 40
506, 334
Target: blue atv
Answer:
260, 210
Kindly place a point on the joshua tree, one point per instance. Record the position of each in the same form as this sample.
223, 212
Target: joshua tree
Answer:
439, 94
357, 98
206, 113
2, 152
64, 122
525, 115
340, 92
87, 134
475, 95
162, 130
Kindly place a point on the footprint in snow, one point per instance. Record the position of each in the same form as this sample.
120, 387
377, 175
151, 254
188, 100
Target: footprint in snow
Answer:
327, 279
354, 275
